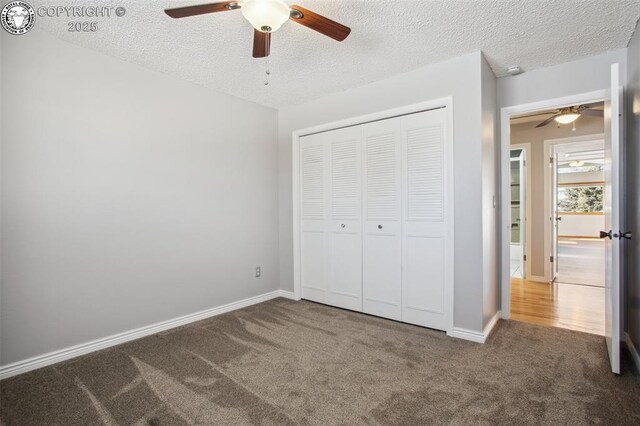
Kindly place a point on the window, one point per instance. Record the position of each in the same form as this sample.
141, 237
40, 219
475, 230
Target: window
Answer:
581, 198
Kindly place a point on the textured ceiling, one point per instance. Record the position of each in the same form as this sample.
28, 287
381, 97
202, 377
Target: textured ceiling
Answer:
387, 38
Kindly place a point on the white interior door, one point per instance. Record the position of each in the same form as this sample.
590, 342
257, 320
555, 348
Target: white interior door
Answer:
554, 217
382, 242
613, 218
523, 212
376, 218
427, 185
331, 234
344, 233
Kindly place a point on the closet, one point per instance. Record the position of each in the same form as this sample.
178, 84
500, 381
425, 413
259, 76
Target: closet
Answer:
375, 218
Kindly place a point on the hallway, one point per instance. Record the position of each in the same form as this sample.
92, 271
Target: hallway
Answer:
571, 306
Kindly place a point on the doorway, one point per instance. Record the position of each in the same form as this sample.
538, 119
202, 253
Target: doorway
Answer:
520, 209
559, 280
578, 204
565, 111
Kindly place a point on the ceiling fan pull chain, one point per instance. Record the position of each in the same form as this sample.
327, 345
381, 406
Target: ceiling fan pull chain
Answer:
267, 72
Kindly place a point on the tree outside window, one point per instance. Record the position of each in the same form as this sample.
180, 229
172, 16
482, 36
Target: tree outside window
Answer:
581, 199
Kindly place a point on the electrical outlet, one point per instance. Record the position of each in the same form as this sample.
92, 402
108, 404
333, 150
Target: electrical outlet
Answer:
258, 271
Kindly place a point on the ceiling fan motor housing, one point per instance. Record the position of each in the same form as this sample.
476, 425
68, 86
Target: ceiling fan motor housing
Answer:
265, 15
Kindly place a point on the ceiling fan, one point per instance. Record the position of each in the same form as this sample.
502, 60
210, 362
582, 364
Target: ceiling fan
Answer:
571, 114
266, 17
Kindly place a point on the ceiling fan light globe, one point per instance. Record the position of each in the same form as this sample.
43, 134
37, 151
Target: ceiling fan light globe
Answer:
567, 118
263, 14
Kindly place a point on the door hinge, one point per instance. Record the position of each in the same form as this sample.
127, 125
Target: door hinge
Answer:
551, 259
550, 160
524, 257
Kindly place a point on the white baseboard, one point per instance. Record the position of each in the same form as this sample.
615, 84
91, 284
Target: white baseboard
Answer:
463, 333
632, 349
20, 367
476, 336
538, 279
288, 295
491, 324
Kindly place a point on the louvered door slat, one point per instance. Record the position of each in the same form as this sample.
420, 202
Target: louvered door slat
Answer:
425, 173
381, 169
312, 181
344, 179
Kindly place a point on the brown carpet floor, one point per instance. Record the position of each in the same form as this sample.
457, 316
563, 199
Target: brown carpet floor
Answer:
286, 362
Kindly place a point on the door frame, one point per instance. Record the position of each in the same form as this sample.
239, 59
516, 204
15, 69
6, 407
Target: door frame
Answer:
549, 149
446, 102
505, 188
526, 148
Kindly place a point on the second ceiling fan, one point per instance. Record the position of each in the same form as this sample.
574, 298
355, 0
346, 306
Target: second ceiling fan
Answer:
267, 16
571, 114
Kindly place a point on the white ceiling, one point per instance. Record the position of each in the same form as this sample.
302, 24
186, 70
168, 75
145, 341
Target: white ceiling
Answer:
387, 38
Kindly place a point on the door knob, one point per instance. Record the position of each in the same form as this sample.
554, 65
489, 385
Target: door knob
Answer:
626, 235
342, 226
379, 226
605, 234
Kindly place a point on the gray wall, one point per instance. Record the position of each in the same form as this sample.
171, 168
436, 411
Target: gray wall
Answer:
459, 78
538, 162
570, 78
490, 143
633, 188
128, 197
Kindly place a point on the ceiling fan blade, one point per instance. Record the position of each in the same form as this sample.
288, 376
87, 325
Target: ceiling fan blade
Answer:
319, 23
535, 114
592, 112
261, 44
547, 121
593, 105
201, 9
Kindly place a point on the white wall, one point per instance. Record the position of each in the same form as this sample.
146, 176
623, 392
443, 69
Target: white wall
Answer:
581, 225
565, 178
460, 78
128, 197
633, 188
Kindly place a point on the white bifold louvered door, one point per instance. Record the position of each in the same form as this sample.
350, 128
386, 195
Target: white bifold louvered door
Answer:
332, 234
313, 245
376, 211
382, 261
426, 173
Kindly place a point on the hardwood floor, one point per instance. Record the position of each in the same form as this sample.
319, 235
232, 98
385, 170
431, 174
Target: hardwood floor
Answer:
576, 307
581, 261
